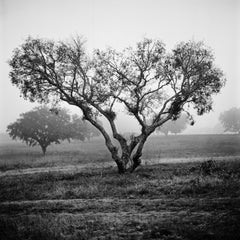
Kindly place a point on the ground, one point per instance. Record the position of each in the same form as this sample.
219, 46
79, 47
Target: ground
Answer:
187, 188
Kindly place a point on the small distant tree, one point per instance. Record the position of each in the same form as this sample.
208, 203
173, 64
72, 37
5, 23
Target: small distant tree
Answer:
230, 120
41, 127
176, 126
153, 85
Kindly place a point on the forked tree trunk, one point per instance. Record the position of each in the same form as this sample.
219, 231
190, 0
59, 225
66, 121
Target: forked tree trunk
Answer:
127, 157
122, 161
127, 154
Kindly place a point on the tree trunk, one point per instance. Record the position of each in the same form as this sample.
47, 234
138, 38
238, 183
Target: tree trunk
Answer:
44, 149
138, 154
123, 161
136, 163
121, 167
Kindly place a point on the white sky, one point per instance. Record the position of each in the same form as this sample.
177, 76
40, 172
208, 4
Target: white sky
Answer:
120, 24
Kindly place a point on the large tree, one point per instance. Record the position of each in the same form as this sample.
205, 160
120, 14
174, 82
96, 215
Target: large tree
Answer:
174, 126
41, 127
230, 120
153, 85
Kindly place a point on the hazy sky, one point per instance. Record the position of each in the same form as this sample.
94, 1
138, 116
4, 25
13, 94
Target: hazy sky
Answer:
120, 24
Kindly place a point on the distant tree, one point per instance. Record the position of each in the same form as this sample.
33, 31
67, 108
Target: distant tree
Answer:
153, 85
230, 120
41, 127
176, 126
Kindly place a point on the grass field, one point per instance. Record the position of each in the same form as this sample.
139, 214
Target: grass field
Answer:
191, 200
16, 155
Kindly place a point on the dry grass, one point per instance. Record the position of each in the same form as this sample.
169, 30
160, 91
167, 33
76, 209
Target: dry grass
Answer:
168, 201
182, 201
15, 155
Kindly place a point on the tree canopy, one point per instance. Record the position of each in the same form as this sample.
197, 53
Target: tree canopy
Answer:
152, 84
230, 120
42, 127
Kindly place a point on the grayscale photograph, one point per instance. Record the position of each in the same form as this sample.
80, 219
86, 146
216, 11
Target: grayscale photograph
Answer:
120, 119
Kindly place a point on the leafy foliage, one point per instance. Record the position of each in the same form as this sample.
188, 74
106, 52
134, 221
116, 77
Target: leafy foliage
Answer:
231, 120
154, 86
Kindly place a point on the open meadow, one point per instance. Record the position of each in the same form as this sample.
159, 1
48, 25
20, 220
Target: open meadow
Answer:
16, 155
188, 187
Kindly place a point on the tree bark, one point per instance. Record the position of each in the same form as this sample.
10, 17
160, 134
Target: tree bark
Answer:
121, 166
136, 158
